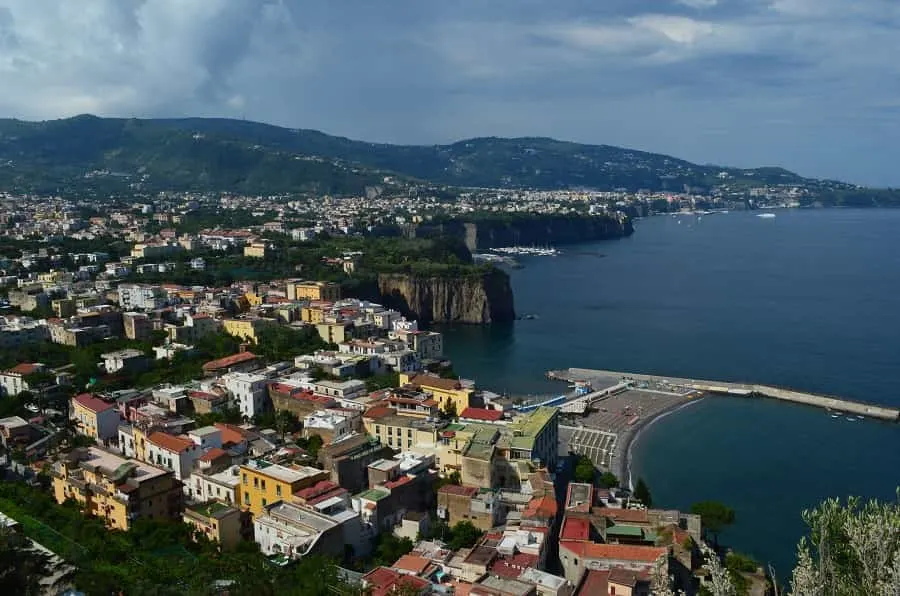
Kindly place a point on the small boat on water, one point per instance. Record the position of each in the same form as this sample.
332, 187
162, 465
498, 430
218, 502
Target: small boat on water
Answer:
851, 419
766, 215
835, 416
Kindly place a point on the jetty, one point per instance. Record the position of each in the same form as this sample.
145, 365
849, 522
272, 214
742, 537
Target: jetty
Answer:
636, 380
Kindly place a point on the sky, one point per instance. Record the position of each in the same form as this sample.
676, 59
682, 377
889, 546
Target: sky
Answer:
811, 85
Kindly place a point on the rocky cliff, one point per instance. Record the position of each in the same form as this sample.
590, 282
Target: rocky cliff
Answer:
545, 230
475, 298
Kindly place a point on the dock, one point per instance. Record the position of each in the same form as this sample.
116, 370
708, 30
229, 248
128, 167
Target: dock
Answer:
836, 404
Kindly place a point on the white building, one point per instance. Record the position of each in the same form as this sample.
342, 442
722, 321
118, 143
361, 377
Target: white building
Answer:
113, 362
19, 331
328, 424
12, 381
340, 389
295, 532
249, 391
173, 453
221, 486
141, 297
207, 437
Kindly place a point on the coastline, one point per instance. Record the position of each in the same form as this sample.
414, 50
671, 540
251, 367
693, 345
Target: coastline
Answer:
623, 457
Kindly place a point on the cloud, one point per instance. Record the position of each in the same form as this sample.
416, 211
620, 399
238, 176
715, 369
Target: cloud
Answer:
808, 84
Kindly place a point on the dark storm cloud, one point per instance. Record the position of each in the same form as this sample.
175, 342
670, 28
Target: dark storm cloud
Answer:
808, 84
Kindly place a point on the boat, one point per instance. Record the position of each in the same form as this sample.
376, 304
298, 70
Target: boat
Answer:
860, 418
766, 215
851, 419
835, 416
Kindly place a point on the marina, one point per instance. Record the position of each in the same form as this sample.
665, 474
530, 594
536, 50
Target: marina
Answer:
680, 385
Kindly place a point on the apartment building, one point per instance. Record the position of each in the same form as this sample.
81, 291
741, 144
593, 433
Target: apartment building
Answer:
140, 297
216, 521
264, 483
13, 381
116, 489
295, 532
314, 290
449, 393
249, 391
94, 417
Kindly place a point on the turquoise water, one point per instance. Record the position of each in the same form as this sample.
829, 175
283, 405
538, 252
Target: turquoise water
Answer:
806, 300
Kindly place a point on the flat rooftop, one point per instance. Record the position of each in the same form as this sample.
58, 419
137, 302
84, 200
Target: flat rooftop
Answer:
110, 462
283, 473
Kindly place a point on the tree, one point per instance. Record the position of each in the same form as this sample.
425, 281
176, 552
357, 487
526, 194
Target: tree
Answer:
464, 535
714, 515
642, 493
584, 470
609, 480
450, 409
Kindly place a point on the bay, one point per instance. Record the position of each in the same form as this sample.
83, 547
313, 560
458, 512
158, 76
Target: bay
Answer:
808, 299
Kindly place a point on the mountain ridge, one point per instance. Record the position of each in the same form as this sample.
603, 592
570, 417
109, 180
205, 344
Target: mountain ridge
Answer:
220, 154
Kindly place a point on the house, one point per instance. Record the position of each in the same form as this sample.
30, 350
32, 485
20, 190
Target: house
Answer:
449, 393
577, 557
457, 503
94, 417
209, 485
293, 532
116, 489
242, 361
13, 381
216, 521
249, 391
384, 581
264, 483
124, 361
313, 290
173, 453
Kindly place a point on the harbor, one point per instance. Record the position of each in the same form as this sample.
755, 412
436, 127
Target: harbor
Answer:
638, 380
606, 410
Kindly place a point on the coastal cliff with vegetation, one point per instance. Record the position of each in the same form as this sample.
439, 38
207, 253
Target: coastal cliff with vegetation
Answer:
477, 297
485, 231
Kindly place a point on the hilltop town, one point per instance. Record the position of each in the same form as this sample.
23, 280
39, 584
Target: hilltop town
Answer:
275, 418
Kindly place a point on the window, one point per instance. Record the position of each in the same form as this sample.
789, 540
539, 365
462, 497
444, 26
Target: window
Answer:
246, 498
264, 502
262, 484
409, 433
390, 431
408, 443
255, 482
245, 478
278, 489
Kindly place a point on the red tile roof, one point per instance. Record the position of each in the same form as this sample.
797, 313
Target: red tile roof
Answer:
92, 403
318, 489
575, 528
227, 361
512, 567
231, 435
542, 508
412, 563
456, 489
481, 414
378, 412
615, 552
170, 442
24, 369
593, 583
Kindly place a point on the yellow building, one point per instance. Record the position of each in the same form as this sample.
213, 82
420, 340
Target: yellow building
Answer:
94, 417
116, 489
312, 314
245, 328
255, 250
216, 521
314, 290
399, 432
335, 333
444, 391
253, 298
264, 483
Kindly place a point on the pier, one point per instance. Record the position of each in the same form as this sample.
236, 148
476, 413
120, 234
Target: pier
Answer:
638, 380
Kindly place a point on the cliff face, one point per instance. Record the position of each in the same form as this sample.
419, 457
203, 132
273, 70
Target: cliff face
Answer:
473, 299
545, 230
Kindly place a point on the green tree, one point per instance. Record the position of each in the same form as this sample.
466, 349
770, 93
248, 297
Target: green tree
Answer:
450, 409
464, 535
642, 493
585, 470
609, 480
714, 515
389, 548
